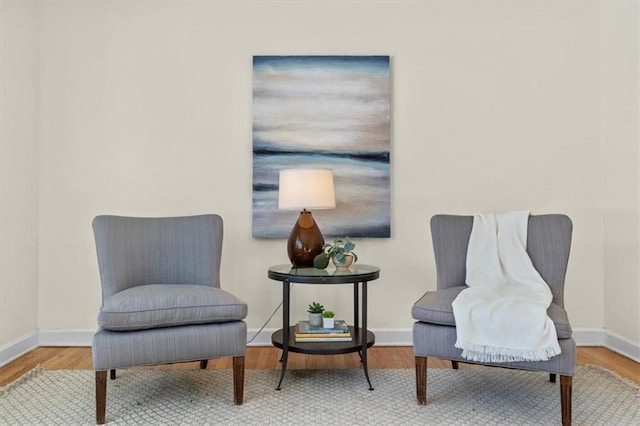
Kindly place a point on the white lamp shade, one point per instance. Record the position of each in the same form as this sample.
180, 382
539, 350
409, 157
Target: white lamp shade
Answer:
306, 189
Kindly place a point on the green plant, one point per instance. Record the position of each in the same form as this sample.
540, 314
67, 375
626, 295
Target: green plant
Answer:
328, 314
338, 250
315, 308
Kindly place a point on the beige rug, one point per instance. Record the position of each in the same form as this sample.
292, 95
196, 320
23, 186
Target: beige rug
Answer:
323, 397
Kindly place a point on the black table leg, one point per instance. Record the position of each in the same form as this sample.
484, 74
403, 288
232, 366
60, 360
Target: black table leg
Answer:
286, 289
356, 312
364, 333
356, 303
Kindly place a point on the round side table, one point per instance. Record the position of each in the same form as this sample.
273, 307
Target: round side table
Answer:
357, 275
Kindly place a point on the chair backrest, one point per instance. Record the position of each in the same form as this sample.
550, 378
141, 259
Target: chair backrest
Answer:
548, 244
134, 251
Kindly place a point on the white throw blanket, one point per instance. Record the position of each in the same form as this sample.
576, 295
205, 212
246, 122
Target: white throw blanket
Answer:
502, 316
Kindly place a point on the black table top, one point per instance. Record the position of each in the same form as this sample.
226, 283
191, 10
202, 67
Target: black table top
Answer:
309, 275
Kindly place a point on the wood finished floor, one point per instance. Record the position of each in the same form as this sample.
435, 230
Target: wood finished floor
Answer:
267, 357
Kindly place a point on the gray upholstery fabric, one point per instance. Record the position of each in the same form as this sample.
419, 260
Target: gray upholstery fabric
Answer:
548, 244
561, 320
117, 349
450, 236
435, 307
160, 290
437, 341
174, 250
165, 305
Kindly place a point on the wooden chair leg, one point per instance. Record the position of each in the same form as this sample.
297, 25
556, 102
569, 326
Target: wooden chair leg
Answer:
421, 379
565, 399
454, 365
203, 364
238, 379
552, 377
101, 396
112, 374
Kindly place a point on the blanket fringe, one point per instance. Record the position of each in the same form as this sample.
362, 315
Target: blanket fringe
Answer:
485, 353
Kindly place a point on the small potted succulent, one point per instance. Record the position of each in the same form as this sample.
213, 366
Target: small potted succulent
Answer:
340, 252
315, 314
328, 319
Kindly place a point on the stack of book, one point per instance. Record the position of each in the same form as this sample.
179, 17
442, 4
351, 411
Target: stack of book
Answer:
307, 333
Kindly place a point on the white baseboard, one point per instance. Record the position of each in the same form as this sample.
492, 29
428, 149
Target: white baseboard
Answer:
69, 337
622, 345
18, 347
384, 337
589, 337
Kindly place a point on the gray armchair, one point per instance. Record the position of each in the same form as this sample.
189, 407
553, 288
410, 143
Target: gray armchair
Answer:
161, 298
434, 332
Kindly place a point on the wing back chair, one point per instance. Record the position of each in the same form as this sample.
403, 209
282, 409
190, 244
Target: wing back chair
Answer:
161, 298
434, 332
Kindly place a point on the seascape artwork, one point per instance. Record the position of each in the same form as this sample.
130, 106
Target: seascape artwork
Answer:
329, 112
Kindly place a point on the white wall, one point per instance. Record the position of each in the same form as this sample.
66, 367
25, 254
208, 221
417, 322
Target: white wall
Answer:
620, 145
18, 171
145, 109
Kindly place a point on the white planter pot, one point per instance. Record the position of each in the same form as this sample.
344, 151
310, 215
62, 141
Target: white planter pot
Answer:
343, 266
328, 322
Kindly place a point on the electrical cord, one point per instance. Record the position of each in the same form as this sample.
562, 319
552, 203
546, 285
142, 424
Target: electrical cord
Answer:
268, 319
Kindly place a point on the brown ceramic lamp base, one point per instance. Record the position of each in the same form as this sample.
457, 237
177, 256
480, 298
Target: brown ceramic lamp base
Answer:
305, 241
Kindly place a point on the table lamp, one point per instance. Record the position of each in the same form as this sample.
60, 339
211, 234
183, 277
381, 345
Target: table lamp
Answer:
305, 189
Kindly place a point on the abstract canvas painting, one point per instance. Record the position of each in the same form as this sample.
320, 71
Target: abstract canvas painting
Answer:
328, 112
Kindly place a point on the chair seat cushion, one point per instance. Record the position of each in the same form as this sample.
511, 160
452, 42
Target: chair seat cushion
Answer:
168, 305
435, 307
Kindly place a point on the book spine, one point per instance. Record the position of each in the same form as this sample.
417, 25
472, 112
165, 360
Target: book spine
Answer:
303, 327
323, 336
323, 339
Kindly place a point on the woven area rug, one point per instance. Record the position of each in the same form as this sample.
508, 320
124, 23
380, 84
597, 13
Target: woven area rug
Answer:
327, 397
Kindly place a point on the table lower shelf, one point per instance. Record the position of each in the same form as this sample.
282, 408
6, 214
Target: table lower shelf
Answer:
324, 348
